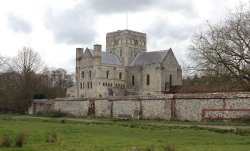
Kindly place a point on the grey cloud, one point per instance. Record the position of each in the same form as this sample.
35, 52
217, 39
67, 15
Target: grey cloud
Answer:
72, 26
113, 6
163, 29
18, 24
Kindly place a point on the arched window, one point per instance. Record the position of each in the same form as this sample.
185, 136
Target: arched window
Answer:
107, 74
170, 80
120, 53
83, 85
120, 75
80, 85
133, 80
148, 79
90, 84
82, 74
89, 73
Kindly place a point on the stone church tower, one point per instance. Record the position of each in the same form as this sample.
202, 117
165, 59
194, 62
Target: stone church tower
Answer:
125, 68
126, 44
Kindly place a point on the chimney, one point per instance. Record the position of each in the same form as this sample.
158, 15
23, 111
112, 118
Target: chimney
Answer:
97, 54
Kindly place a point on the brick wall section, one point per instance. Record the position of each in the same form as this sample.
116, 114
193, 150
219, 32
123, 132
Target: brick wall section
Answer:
193, 107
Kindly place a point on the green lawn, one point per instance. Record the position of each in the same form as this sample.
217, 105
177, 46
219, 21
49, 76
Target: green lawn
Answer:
115, 136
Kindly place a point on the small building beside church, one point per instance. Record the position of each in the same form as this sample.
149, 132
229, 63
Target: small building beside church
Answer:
125, 68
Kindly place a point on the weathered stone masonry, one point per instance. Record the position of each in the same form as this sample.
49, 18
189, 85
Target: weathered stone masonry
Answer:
193, 107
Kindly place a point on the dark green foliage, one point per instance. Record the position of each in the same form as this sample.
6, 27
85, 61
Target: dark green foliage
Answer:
39, 96
52, 113
242, 132
63, 121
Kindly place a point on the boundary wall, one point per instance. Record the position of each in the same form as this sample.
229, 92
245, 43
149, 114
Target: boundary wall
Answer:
192, 107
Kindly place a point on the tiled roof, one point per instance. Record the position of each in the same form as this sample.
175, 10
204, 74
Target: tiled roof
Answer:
153, 57
108, 58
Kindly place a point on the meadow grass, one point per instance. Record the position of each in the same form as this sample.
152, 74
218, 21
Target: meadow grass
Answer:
115, 136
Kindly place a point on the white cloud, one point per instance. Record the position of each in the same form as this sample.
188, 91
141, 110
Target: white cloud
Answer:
71, 26
18, 24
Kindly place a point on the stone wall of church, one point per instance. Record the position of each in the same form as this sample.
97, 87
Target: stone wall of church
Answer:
173, 69
192, 107
147, 79
98, 83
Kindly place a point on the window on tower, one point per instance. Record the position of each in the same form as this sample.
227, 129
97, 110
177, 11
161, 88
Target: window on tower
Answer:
107, 74
120, 75
148, 79
133, 80
82, 74
89, 73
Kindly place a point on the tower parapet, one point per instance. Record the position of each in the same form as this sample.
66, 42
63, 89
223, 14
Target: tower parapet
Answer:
126, 44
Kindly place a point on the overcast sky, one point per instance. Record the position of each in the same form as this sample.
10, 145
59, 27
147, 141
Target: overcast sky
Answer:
54, 28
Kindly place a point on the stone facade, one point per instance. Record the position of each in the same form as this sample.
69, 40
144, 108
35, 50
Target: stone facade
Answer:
192, 107
71, 92
41, 105
126, 68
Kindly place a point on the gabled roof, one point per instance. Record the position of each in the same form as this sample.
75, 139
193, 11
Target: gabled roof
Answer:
108, 58
153, 57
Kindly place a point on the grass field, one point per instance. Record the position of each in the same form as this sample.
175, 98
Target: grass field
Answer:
115, 136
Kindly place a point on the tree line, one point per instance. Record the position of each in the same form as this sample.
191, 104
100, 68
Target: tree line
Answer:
24, 78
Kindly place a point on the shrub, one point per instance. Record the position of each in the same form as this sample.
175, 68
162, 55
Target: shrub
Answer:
20, 140
52, 113
242, 132
51, 138
169, 148
6, 141
150, 148
133, 125
63, 121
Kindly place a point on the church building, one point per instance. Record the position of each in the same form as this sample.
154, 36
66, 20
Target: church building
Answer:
125, 68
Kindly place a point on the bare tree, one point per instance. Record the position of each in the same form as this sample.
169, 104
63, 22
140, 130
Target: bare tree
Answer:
27, 61
224, 49
26, 64
3, 63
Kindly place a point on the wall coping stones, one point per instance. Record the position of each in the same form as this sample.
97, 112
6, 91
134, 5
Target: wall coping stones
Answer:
220, 95
44, 101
